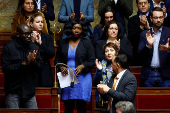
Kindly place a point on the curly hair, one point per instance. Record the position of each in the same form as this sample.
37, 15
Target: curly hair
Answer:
105, 32
68, 27
20, 9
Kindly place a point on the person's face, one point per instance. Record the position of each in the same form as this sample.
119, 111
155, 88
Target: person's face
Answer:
28, 6
37, 24
25, 35
76, 30
113, 31
109, 53
108, 17
143, 6
118, 110
114, 66
157, 19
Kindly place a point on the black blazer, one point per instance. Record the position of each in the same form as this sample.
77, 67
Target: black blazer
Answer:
134, 31
48, 52
84, 54
125, 90
125, 48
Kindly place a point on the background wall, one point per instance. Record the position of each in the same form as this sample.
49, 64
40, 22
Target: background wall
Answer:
8, 7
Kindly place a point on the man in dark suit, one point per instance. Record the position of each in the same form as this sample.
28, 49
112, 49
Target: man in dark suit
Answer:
136, 25
154, 49
47, 7
125, 87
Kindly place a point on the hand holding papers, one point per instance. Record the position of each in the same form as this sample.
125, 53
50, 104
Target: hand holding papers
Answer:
65, 80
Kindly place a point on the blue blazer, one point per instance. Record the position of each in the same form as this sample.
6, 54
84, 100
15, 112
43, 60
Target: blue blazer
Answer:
147, 54
67, 7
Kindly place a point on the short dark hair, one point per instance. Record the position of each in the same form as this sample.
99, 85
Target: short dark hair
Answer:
122, 60
156, 9
105, 32
137, 1
20, 9
125, 106
110, 44
68, 27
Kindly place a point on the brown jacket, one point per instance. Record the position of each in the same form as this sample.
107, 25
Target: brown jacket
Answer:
19, 18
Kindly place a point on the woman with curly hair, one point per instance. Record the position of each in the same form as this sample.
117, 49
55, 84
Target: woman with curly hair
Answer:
24, 10
78, 53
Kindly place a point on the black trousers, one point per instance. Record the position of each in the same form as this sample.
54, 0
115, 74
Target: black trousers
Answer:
80, 106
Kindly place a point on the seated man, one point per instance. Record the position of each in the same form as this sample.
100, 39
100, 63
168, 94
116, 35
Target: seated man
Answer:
136, 25
124, 107
122, 86
155, 51
21, 63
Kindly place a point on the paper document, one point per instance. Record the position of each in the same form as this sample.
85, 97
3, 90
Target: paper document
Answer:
65, 80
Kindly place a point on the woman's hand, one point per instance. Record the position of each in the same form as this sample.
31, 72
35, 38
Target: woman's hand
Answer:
98, 64
64, 70
35, 36
117, 43
79, 69
28, 21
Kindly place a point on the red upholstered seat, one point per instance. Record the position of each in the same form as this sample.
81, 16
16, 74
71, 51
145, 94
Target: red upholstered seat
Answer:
2, 101
3, 42
44, 101
1, 80
152, 101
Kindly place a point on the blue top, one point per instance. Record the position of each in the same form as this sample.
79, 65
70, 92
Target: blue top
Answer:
83, 89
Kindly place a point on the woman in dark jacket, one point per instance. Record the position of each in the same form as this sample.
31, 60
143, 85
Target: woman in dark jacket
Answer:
112, 33
46, 45
78, 53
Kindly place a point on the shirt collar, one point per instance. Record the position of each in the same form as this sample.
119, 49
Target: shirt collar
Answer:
121, 74
160, 30
154, 4
142, 14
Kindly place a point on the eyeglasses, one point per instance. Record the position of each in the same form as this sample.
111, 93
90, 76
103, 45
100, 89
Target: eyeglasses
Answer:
27, 34
113, 28
141, 3
161, 17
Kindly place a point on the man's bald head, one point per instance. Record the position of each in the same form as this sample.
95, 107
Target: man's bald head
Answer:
22, 28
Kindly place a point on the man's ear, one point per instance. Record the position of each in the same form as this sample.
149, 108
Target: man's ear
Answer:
151, 18
117, 65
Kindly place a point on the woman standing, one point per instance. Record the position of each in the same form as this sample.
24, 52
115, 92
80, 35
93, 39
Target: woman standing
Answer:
46, 44
112, 33
24, 10
78, 53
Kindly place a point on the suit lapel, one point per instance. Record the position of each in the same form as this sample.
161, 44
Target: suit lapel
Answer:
162, 38
72, 5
